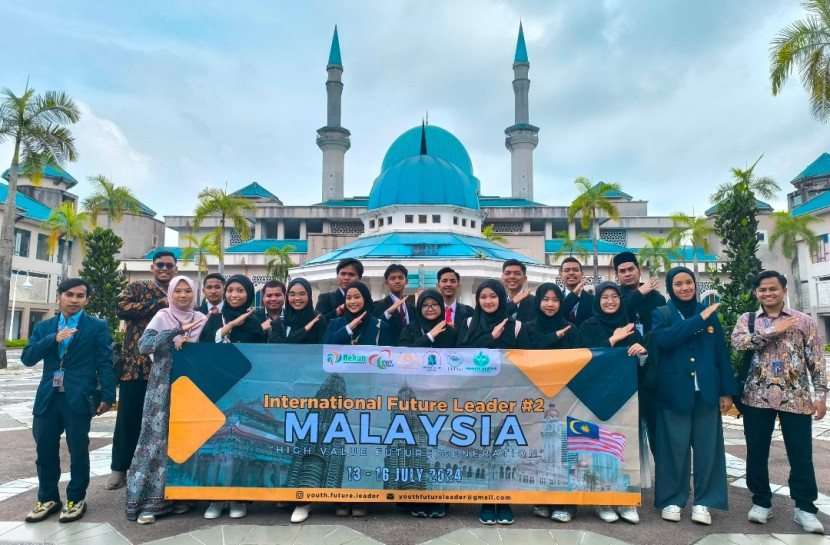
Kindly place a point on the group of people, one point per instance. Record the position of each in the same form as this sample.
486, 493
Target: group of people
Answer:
685, 383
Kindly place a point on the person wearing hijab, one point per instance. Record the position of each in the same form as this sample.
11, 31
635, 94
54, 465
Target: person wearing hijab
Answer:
429, 328
167, 331
300, 323
695, 385
491, 326
610, 327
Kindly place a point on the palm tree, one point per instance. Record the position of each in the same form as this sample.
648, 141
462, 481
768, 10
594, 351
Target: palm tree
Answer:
198, 249
763, 187
805, 43
691, 229
279, 262
491, 235
35, 124
213, 201
591, 201
788, 230
657, 255
115, 200
64, 223
571, 246
591, 480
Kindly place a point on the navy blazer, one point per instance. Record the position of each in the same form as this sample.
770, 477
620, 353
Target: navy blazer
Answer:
87, 361
691, 348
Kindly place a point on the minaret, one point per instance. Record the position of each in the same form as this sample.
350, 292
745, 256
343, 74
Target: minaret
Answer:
522, 136
333, 139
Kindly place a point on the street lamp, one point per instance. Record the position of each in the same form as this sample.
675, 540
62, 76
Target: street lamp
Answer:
27, 285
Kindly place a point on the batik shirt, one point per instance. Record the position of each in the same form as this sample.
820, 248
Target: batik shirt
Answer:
137, 305
783, 364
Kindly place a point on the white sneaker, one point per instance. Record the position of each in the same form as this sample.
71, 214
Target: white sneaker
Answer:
700, 514
671, 513
214, 510
808, 521
606, 514
301, 513
561, 515
759, 514
541, 511
629, 514
238, 510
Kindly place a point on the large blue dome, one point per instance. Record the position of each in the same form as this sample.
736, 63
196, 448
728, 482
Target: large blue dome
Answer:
440, 143
423, 179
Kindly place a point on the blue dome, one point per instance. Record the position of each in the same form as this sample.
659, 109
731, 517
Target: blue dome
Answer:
440, 143
423, 179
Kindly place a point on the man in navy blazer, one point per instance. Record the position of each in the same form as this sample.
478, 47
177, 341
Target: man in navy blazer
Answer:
76, 350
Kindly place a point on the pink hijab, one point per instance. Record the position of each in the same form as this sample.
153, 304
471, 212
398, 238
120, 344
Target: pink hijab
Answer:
173, 316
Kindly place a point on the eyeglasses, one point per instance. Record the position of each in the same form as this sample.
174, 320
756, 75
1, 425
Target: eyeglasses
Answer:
164, 265
610, 298
429, 305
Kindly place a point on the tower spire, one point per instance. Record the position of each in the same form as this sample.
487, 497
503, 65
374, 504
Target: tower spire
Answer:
522, 137
333, 140
423, 138
521, 48
334, 53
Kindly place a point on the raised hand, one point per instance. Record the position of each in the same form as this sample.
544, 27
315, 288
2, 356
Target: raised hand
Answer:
785, 324
313, 321
499, 329
708, 311
649, 286
356, 322
521, 296
621, 333
636, 349
191, 325
561, 332
438, 329
65, 333
395, 306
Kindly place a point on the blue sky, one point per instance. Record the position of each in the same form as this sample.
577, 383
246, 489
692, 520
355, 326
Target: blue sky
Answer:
663, 97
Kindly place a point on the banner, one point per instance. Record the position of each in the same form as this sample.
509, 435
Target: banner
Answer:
383, 424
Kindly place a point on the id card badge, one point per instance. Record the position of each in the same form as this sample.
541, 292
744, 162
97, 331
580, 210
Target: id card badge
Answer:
777, 368
57, 379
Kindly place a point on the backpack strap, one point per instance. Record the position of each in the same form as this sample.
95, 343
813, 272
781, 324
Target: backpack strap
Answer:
518, 328
666, 312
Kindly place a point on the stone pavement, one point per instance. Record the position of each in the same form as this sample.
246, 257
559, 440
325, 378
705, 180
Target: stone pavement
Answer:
104, 522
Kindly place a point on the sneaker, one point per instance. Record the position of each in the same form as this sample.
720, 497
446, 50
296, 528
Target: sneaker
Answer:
561, 515
301, 513
180, 508
360, 509
146, 518
214, 510
419, 510
504, 514
759, 514
437, 510
43, 510
808, 521
606, 514
73, 511
117, 479
671, 513
700, 514
237, 510
541, 511
342, 509
487, 514
629, 514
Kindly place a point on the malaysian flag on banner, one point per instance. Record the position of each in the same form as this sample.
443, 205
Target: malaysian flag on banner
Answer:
589, 437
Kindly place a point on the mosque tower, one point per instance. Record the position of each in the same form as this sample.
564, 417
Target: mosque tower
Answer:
333, 139
522, 136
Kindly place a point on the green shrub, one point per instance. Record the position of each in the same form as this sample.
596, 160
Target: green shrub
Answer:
16, 343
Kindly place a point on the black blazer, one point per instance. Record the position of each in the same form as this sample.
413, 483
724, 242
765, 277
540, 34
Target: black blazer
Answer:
327, 303
394, 321
525, 311
641, 307
583, 311
462, 312
87, 361
203, 308
277, 334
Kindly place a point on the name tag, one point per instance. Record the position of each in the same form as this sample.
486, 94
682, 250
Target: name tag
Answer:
57, 379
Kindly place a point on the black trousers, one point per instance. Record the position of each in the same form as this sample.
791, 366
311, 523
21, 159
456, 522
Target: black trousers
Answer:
798, 441
648, 414
47, 429
127, 423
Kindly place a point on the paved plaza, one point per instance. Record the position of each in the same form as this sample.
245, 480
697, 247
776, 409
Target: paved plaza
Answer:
105, 523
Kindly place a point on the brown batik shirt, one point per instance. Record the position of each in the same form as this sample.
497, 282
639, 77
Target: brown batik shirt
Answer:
137, 305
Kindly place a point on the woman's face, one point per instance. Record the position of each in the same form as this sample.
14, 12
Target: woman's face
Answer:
236, 295
488, 300
354, 301
609, 301
430, 309
683, 286
550, 304
297, 297
183, 295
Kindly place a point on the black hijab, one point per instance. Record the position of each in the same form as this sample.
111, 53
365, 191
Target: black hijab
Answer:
367, 307
610, 322
686, 308
295, 319
483, 323
427, 325
251, 330
544, 326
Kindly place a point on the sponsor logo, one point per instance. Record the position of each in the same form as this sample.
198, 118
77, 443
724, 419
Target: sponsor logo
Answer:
481, 359
432, 361
381, 360
407, 360
337, 358
454, 361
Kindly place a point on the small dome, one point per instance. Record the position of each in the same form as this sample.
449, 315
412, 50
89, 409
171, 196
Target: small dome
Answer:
440, 143
423, 179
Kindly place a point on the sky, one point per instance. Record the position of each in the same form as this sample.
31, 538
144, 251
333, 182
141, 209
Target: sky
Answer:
661, 96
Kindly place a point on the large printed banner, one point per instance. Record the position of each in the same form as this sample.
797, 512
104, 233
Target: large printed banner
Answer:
377, 424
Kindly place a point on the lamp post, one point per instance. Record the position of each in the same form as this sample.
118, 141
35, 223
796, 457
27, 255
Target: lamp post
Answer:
27, 285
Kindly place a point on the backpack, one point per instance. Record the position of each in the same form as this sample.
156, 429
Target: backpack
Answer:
743, 371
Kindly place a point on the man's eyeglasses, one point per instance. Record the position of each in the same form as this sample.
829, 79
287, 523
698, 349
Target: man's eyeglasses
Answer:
165, 265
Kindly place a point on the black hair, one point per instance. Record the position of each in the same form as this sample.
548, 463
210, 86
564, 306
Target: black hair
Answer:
448, 270
213, 276
70, 283
164, 253
393, 268
354, 263
571, 259
514, 263
273, 284
763, 275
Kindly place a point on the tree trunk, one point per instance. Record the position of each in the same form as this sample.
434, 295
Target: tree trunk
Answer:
694, 260
6, 249
65, 260
221, 243
799, 304
596, 258
198, 293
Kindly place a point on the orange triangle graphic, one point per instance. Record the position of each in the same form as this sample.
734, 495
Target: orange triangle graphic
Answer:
193, 420
550, 370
